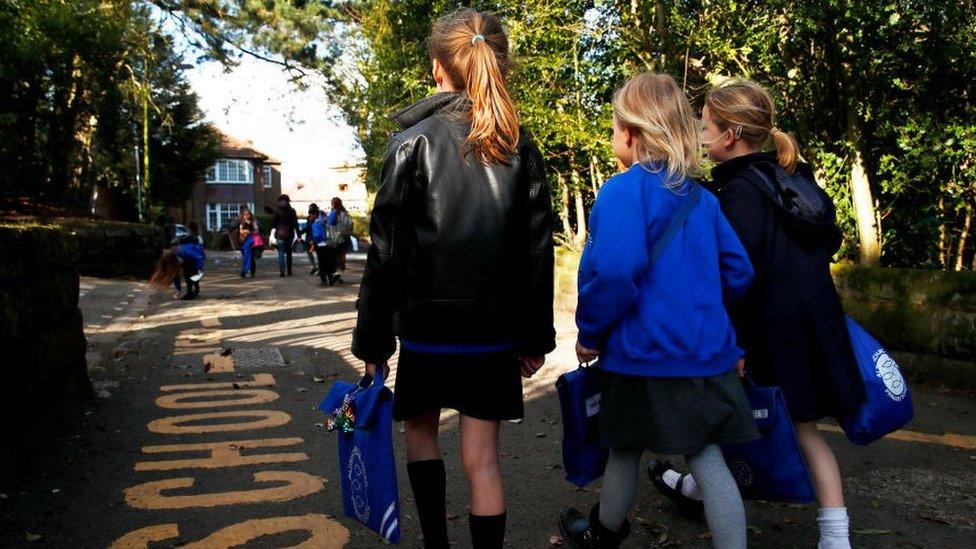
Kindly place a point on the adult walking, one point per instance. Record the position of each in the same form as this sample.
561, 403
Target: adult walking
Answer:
245, 233
340, 234
462, 256
328, 254
285, 225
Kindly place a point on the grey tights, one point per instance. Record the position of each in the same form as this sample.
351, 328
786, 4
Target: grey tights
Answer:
724, 512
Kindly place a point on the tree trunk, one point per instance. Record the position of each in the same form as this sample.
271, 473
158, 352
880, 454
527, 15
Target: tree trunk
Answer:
29, 180
61, 129
596, 178
576, 183
867, 220
867, 228
661, 26
943, 235
964, 238
564, 207
580, 238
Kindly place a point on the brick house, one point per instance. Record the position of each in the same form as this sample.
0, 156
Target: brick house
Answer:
241, 176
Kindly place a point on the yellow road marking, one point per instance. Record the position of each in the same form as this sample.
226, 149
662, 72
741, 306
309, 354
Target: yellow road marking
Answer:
964, 442
141, 538
173, 425
241, 397
218, 364
222, 454
323, 532
149, 495
257, 380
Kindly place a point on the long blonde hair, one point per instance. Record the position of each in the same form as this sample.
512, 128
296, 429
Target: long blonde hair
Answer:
748, 110
473, 49
654, 107
167, 268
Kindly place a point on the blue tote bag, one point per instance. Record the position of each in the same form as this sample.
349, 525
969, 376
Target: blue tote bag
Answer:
889, 404
580, 392
363, 416
771, 468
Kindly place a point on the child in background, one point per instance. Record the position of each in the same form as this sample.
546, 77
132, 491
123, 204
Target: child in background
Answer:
168, 272
185, 257
666, 345
327, 255
190, 252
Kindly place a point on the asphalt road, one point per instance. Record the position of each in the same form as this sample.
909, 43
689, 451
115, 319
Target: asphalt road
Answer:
137, 474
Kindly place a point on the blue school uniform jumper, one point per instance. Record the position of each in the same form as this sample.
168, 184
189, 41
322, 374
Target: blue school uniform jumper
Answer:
668, 348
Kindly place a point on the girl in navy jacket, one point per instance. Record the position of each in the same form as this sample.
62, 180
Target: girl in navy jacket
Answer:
665, 342
791, 323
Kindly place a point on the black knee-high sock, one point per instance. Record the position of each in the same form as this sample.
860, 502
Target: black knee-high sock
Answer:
428, 482
487, 532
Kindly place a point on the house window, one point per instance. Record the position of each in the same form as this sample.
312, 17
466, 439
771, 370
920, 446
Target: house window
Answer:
343, 188
266, 174
223, 215
230, 170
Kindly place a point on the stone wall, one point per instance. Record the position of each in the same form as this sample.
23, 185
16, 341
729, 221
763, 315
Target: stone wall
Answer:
928, 317
44, 373
115, 249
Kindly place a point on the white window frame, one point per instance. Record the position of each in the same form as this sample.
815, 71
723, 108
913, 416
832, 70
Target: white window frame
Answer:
220, 208
267, 175
213, 172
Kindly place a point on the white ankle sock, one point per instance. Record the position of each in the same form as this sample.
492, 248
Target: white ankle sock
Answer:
834, 528
689, 487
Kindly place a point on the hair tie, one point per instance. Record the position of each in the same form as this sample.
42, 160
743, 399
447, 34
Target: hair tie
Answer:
738, 131
476, 38
774, 130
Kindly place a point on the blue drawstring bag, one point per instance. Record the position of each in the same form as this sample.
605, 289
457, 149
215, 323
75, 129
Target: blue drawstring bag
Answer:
771, 468
363, 416
889, 404
579, 398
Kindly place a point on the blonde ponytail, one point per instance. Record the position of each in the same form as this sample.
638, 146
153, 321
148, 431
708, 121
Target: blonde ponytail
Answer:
747, 108
786, 149
473, 49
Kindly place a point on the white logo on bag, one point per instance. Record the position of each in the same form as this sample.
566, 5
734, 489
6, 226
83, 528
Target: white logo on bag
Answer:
887, 369
741, 472
356, 472
593, 405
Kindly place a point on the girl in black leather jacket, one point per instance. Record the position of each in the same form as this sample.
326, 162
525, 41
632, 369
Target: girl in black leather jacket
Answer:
461, 269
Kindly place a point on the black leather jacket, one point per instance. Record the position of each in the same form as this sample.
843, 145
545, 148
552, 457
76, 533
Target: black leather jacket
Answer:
461, 251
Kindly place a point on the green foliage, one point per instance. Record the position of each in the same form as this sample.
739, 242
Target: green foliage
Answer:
73, 76
891, 83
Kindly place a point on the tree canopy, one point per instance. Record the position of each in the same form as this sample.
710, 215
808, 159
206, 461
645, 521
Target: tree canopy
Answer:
880, 95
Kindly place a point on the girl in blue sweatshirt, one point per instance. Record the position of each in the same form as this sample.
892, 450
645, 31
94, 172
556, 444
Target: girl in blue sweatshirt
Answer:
659, 325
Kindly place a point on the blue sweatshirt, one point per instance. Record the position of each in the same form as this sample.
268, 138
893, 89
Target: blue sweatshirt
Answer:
191, 250
666, 319
318, 230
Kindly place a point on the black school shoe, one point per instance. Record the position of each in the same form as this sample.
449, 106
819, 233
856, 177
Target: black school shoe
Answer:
584, 533
687, 506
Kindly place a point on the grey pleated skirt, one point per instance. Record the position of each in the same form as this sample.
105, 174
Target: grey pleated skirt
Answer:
674, 415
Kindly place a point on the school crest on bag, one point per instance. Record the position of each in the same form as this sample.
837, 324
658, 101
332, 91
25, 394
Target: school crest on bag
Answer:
887, 369
356, 470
